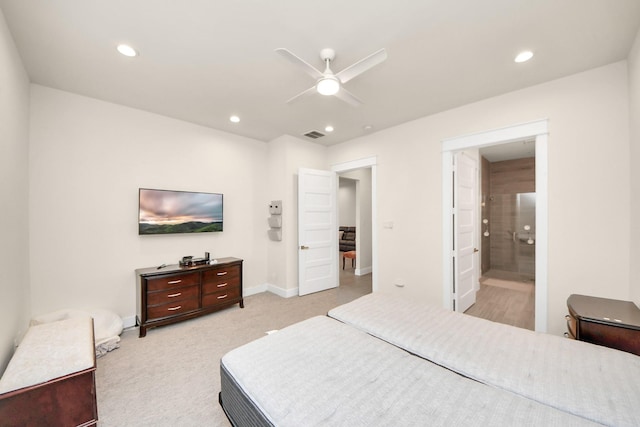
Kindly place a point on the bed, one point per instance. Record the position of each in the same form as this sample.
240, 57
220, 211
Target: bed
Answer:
381, 360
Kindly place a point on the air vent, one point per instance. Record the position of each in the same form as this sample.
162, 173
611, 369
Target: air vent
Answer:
314, 134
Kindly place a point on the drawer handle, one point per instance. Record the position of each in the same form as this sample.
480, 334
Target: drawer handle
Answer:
177, 294
222, 273
222, 285
174, 308
223, 296
173, 282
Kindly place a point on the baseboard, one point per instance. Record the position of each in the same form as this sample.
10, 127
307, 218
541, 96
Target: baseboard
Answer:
128, 322
281, 292
363, 271
268, 287
246, 292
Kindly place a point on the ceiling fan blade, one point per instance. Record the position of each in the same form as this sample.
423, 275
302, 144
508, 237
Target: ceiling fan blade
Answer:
308, 68
362, 66
348, 97
307, 92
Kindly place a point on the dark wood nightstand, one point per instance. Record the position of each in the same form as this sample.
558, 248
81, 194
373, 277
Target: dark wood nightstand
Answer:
602, 321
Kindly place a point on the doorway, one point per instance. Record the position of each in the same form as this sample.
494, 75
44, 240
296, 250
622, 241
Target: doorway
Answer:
355, 230
364, 171
508, 235
317, 211
538, 133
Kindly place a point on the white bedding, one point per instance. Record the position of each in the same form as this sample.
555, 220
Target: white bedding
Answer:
321, 372
590, 381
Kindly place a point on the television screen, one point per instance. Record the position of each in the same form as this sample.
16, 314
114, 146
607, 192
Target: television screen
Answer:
169, 212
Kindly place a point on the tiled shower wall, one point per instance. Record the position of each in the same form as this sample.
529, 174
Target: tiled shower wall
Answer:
509, 206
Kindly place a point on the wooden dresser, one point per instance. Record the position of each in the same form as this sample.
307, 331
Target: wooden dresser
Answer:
607, 322
173, 293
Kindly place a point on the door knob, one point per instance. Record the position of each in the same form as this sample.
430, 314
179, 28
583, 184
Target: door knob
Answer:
475, 250
304, 247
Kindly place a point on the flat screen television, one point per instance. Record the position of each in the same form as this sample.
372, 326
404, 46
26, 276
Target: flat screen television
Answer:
170, 212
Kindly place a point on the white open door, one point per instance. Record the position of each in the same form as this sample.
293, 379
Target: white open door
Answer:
464, 233
317, 231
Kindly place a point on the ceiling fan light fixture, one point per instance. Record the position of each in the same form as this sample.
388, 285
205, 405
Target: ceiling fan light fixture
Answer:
328, 86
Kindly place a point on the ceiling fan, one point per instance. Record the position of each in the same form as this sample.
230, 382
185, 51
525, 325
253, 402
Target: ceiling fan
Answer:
328, 82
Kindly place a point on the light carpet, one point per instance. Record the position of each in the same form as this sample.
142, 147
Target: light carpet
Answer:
171, 377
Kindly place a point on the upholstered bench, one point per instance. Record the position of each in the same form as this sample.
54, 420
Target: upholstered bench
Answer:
50, 380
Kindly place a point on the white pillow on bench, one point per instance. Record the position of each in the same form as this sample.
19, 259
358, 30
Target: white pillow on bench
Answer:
106, 324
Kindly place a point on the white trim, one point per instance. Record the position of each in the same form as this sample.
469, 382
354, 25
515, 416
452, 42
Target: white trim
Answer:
363, 271
539, 130
281, 292
268, 287
447, 224
366, 163
354, 164
247, 292
129, 322
496, 136
542, 231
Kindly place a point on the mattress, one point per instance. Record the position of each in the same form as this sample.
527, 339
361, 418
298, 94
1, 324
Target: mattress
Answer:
597, 383
321, 372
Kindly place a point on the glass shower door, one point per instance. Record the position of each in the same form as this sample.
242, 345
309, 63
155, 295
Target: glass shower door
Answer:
513, 234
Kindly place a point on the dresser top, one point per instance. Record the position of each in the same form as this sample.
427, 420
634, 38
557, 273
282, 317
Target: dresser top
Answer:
603, 310
176, 268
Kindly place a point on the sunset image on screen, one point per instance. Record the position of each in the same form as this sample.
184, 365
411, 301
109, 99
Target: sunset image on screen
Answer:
164, 212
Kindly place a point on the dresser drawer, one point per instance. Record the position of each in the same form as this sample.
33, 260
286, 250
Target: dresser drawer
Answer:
619, 338
223, 285
221, 297
172, 309
172, 295
168, 282
571, 326
229, 274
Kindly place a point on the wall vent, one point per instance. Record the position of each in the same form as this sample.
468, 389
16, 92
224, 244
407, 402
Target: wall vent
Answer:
314, 134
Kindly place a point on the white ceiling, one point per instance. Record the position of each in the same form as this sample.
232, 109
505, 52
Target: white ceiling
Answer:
203, 60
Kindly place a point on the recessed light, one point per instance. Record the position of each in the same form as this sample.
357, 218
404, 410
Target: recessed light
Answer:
234, 119
127, 50
524, 56
329, 128
367, 127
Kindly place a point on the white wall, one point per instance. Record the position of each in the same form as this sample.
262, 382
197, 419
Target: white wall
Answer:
589, 190
634, 127
346, 202
14, 190
88, 158
286, 155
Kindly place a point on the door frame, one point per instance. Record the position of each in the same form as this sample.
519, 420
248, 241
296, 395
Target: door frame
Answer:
369, 162
539, 131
